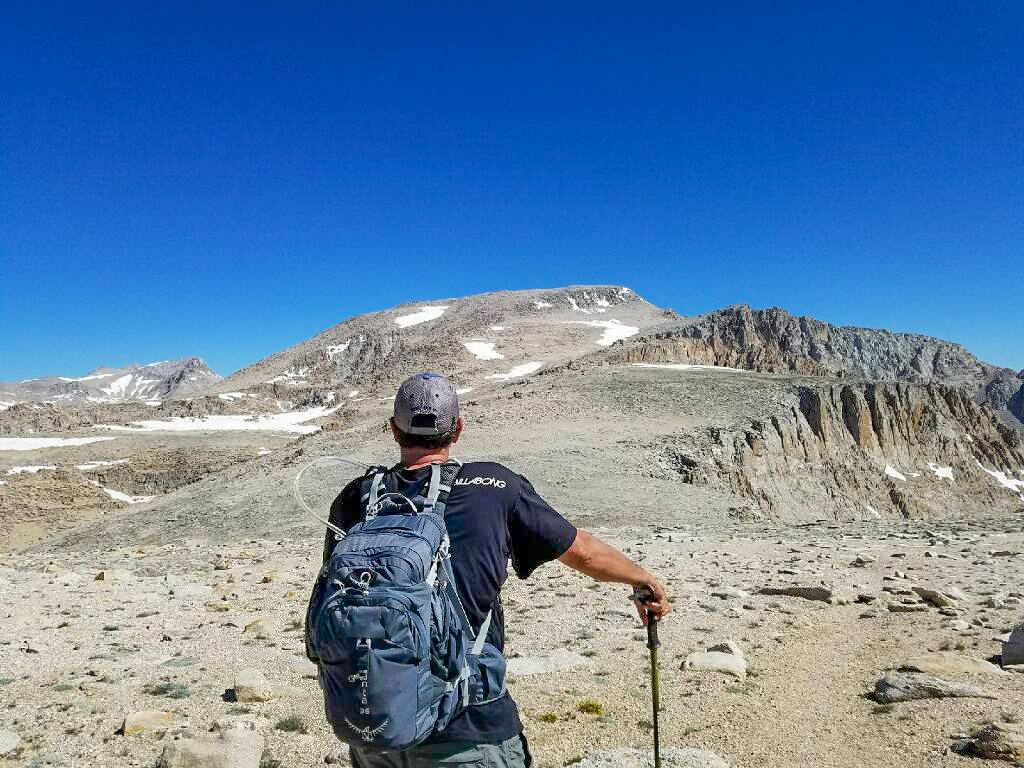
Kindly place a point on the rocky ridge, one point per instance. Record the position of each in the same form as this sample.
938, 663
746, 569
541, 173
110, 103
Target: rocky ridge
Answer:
773, 341
184, 377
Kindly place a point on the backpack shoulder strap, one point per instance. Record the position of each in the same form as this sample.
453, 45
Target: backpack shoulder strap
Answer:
442, 477
371, 497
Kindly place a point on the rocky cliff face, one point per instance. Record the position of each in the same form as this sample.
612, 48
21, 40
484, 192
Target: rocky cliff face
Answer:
915, 450
773, 341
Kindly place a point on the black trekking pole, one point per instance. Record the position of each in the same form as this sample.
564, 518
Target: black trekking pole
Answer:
644, 595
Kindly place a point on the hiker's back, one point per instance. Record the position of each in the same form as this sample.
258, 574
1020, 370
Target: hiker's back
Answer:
397, 655
492, 515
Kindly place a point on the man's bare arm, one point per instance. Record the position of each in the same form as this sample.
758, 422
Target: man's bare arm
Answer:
601, 562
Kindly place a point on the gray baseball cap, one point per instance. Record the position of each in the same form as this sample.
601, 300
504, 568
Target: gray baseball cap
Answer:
426, 404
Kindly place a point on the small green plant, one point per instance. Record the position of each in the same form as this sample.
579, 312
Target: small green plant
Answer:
266, 761
588, 653
1011, 717
6, 681
239, 711
590, 707
61, 687
291, 724
548, 717
111, 628
882, 709
167, 690
293, 626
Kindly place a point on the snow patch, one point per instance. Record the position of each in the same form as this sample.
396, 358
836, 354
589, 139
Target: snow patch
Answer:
263, 451
290, 421
229, 396
299, 374
462, 391
336, 349
1017, 486
873, 511
32, 443
520, 370
118, 386
585, 310
93, 464
894, 473
946, 472
542, 305
118, 496
423, 315
497, 328
29, 470
483, 350
613, 330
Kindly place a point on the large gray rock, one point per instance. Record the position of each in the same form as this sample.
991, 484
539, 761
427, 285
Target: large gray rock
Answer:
949, 663
938, 598
899, 686
1013, 648
674, 757
716, 661
252, 686
10, 743
234, 748
146, 721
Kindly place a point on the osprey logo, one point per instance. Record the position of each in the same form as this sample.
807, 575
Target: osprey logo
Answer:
493, 482
367, 734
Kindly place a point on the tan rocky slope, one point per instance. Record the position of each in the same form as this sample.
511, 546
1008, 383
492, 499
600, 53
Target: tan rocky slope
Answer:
773, 341
471, 339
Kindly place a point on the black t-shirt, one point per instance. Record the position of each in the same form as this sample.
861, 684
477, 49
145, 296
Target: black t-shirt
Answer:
493, 516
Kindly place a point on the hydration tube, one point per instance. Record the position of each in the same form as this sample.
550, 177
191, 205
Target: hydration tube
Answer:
298, 494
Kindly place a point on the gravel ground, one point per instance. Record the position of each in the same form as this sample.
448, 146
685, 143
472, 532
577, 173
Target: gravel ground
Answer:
78, 655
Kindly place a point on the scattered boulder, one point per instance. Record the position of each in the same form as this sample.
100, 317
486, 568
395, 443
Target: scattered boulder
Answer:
10, 744
252, 686
673, 757
557, 661
234, 748
1013, 647
146, 721
948, 663
898, 686
716, 661
936, 597
905, 607
994, 741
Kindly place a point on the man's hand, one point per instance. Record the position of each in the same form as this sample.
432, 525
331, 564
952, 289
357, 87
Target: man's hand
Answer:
594, 558
649, 596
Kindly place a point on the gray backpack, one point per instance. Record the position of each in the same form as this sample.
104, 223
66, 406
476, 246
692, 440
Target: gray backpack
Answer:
397, 655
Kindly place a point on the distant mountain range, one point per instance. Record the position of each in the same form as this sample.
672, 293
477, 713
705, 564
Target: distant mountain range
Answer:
167, 379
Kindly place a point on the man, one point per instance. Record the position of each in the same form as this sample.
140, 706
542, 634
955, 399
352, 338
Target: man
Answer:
493, 516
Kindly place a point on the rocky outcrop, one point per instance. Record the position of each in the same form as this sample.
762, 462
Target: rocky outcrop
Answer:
860, 448
773, 341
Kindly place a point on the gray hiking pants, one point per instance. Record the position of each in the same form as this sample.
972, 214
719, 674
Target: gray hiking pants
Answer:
508, 754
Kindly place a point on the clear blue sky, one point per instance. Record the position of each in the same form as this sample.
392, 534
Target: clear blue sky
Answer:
225, 179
